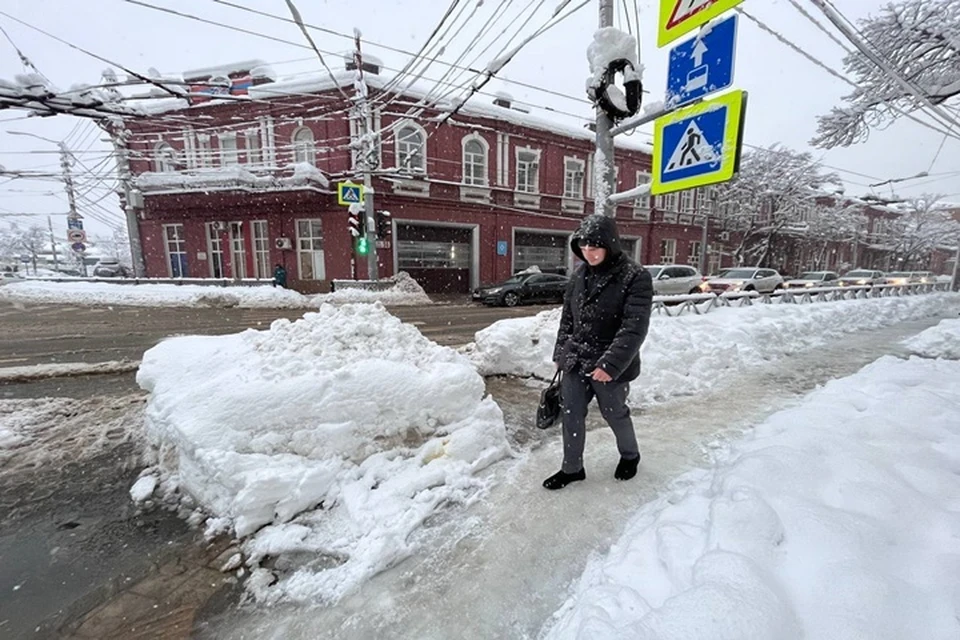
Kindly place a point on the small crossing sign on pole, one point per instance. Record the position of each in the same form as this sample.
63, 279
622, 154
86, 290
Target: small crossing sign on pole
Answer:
703, 64
349, 193
678, 17
698, 145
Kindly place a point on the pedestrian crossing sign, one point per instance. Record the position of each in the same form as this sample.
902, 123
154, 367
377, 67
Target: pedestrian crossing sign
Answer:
698, 145
349, 193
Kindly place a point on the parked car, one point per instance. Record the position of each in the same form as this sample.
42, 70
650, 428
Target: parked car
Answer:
7, 277
674, 279
860, 277
524, 287
744, 279
110, 269
813, 279
925, 277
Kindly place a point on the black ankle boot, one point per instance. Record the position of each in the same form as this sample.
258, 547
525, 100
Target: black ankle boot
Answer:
627, 468
560, 479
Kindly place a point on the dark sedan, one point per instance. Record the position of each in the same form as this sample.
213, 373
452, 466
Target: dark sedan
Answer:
523, 287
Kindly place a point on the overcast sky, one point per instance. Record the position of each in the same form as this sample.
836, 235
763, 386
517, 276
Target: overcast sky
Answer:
787, 91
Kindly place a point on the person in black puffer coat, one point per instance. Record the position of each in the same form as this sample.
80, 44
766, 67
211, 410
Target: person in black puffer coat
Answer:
606, 314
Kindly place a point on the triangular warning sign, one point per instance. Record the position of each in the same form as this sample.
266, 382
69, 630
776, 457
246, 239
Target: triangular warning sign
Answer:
350, 195
692, 150
686, 9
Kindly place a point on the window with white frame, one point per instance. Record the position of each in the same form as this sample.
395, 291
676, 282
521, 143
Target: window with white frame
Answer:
668, 251
668, 202
706, 198
411, 141
176, 249
528, 171
214, 250
304, 149
693, 259
238, 250
228, 149
475, 152
641, 206
252, 142
164, 158
204, 155
261, 249
573, 171
687, 201
310, 249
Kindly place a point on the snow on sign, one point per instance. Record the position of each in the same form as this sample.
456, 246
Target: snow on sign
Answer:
698, 145
703, 64
349, 193
678, 17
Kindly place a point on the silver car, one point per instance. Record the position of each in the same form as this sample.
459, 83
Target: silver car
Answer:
862, 277
813, 279
744, 279
674, 279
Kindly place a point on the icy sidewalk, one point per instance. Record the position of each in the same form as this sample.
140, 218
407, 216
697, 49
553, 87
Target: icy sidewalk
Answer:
511, 573
834, 519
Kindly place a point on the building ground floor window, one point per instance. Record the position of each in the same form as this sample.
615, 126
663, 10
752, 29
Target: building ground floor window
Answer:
176, 250
310, 257
546, 251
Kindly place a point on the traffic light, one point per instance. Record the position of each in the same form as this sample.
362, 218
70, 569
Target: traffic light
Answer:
383, 224
355, 221
363, 245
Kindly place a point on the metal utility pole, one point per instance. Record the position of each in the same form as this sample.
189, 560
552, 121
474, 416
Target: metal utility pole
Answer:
53, 244
704, 231
73, 216
366, 154
955, 282
131, 202
604, 171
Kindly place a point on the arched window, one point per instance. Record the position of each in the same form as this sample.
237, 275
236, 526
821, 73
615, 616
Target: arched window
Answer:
303, 147
411, 148
164, 158
475, 151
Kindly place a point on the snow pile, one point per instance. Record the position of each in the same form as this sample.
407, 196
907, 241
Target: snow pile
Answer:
836, 519
404, 290
610, 44
301, 173
941, 341
331, 438
689, 354
153, 295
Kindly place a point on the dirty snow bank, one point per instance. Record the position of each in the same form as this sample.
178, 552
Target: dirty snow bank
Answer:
837, 518
404, 290
331, 438
153, 295
690, 354
941, 341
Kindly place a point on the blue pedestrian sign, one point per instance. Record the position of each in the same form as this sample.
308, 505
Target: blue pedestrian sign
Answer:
702, 65
349, 193
698, 145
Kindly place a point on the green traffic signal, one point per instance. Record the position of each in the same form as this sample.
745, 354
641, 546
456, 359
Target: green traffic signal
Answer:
363, 246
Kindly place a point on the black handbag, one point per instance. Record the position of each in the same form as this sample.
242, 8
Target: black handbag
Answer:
548, 412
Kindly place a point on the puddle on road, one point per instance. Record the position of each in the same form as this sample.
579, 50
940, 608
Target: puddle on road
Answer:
503, 567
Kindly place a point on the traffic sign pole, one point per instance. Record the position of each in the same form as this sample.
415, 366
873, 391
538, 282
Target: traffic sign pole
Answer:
604, 167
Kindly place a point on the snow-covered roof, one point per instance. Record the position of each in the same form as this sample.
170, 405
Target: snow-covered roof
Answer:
224, 69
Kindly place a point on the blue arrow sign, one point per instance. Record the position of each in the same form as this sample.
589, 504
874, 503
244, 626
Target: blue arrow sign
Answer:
702, 65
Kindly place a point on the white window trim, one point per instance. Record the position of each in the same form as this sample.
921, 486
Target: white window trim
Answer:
204, 151
298, 250
403, 124
475, 137
181, 239
311, 150
228, 157
583, 174
517, 152
158, 164
253, 135
668, 258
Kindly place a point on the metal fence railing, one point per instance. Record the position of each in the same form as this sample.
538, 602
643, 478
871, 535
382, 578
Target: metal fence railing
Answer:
701, 303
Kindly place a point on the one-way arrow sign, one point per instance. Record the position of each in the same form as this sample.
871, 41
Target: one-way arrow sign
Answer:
702, 65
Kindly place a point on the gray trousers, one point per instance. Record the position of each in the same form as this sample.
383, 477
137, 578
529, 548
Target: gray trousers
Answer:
577, 390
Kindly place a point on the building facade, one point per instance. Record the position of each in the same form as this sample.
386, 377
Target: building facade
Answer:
240, 176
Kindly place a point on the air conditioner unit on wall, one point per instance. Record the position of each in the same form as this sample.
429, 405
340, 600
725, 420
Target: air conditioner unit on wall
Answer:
283, 243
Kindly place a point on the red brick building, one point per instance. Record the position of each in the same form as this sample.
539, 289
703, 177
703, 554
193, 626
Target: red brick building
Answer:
241, 176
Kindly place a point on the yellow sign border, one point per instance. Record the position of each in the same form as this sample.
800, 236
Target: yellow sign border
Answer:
734, 102
345, 185
667, 7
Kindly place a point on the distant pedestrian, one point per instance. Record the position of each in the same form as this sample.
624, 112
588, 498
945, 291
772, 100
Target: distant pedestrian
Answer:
280, 276
606, 314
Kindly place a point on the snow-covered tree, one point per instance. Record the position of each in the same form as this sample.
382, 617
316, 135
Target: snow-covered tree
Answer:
835, 221
920, 39
923, 225
32, 242
774, 186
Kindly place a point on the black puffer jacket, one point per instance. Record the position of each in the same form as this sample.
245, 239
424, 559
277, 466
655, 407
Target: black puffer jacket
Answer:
606, 309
